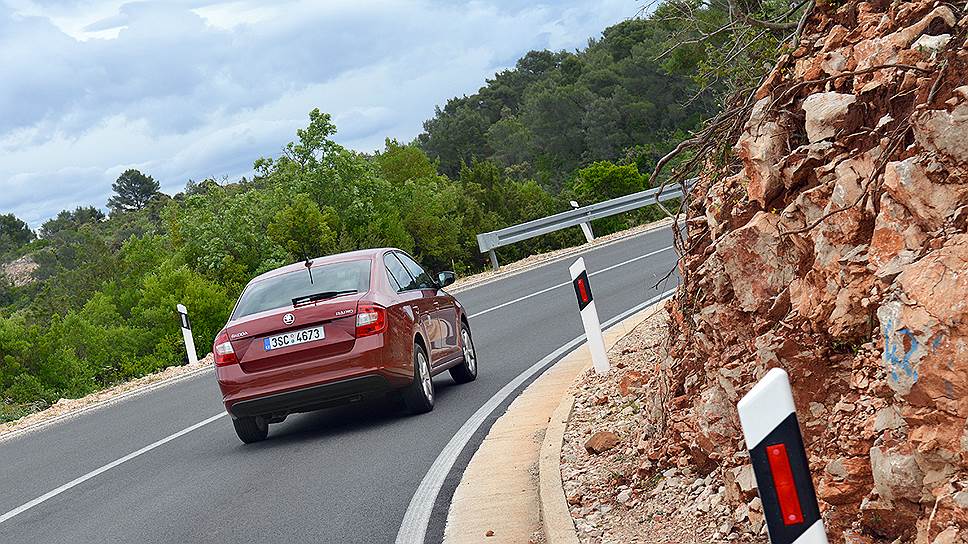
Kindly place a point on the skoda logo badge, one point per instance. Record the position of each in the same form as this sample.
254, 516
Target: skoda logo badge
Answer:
288, 319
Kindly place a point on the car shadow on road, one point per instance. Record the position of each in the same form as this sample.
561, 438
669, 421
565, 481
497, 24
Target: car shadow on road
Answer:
377, 412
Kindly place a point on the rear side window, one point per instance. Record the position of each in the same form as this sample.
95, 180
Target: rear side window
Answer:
404, 281
278, 292
423, 278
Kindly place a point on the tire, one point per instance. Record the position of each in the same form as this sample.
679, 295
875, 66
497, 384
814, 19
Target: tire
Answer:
419, 395
251, 429
466, 371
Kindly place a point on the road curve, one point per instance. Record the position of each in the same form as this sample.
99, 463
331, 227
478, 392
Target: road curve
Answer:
342, 475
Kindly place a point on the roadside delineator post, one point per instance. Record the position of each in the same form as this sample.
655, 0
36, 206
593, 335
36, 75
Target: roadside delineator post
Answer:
772, 432
186, 327
589, 315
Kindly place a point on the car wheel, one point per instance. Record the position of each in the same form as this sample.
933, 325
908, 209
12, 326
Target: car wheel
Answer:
467, 370
251, 429
419, 395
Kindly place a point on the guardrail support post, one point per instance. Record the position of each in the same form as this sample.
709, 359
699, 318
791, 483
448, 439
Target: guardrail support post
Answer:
494, 263
586, 228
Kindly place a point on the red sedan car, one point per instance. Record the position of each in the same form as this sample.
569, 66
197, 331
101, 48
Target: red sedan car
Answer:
336, 330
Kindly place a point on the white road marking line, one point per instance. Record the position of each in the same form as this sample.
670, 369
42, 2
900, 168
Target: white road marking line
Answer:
553, 287
413, 530
77, 481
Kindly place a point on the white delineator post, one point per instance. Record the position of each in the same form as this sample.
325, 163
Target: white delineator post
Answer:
589, 315
783, 480
186, 327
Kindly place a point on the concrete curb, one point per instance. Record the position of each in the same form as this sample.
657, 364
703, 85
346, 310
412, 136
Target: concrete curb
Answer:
559, 527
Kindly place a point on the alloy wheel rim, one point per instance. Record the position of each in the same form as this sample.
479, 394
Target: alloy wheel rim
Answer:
426, 380
469, 356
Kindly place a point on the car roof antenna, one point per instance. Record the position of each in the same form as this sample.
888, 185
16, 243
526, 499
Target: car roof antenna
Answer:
309, 267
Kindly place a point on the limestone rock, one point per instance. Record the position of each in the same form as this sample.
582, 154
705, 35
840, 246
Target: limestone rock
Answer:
601, 441
824, 111
760, 148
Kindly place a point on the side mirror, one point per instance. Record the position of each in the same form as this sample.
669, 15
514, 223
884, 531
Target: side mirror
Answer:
446, 278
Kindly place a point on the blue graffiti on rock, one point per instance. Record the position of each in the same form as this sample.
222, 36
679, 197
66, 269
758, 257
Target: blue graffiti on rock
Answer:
897, 358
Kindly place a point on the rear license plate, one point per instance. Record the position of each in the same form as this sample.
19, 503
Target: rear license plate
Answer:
293, 338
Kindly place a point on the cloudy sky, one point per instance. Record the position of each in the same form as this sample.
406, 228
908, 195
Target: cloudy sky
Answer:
189, 89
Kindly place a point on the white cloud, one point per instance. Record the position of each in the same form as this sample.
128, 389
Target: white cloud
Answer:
197, 88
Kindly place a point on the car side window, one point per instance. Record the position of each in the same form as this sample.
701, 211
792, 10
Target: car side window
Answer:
393, 281
398, 273
423, 278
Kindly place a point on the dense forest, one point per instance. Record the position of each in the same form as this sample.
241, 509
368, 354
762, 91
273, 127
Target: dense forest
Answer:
584, 125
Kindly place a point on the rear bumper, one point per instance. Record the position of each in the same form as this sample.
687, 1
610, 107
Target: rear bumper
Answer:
369, 368
312, 398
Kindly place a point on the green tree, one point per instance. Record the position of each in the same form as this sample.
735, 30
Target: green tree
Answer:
72, 220
603, 181
133, 190
303, 229
399, 163
14, 233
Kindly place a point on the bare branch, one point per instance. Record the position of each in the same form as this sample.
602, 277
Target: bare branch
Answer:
752, 21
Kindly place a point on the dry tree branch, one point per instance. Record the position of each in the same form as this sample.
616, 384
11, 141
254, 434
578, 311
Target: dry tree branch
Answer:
752, 21
792, 89
803, 22
704, 37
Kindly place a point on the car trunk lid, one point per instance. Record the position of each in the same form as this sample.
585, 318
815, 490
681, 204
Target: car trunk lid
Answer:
250, 336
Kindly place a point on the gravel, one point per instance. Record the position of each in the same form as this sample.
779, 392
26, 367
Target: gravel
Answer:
619, 496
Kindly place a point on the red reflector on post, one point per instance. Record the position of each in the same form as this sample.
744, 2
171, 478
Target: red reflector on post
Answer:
583, 290
786, 489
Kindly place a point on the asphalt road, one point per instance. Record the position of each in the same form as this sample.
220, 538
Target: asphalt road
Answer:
343, 475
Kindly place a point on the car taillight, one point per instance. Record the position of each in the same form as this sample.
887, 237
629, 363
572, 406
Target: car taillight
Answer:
370, 319
223, 352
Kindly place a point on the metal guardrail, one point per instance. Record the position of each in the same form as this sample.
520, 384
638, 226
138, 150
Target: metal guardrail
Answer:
489, 241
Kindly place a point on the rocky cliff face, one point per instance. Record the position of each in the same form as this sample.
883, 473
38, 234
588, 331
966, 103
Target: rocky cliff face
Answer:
20, 272
838, 250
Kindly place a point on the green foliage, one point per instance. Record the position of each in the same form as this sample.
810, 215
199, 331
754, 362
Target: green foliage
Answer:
400, 163
133, 190
71, 220
557, 111
303, 230
14, 234
603, 181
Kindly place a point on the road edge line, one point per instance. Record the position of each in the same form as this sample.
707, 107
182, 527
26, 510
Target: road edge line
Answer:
104, 468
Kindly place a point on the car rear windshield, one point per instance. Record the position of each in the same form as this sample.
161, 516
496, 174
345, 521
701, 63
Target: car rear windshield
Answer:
279, 291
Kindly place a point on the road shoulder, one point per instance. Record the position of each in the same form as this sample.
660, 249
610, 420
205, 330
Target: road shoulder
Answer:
498, 498
65, 409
